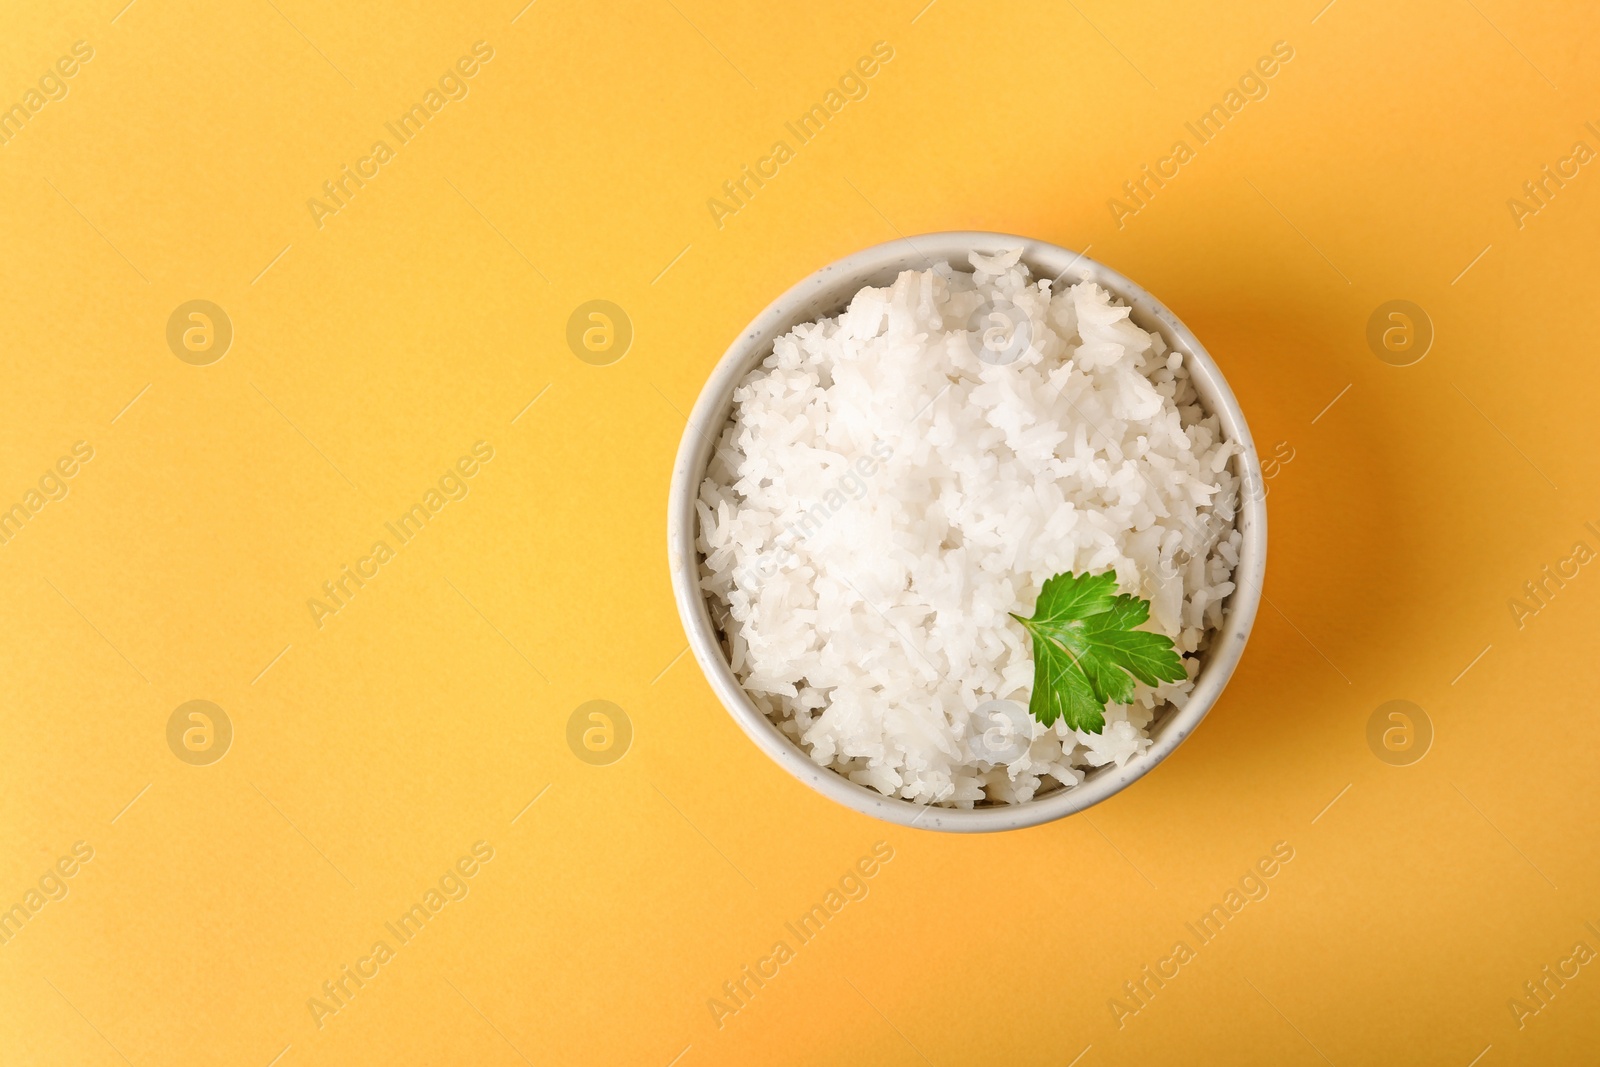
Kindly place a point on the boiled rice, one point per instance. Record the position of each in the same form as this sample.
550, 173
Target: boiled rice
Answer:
896, 479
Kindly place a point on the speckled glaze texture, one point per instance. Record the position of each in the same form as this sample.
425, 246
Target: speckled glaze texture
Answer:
827, 292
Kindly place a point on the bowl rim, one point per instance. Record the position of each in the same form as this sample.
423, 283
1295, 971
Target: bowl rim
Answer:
828, 289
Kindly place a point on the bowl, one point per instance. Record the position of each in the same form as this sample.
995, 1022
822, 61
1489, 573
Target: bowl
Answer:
826, 293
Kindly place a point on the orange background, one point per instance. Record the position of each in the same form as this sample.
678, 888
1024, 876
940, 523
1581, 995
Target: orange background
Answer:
369, 754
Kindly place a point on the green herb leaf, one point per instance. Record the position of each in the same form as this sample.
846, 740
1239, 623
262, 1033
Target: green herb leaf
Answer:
1087, 652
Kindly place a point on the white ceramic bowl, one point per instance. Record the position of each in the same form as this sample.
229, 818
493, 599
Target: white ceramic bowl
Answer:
827, 292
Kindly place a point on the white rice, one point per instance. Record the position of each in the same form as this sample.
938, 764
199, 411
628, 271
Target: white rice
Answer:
882, 497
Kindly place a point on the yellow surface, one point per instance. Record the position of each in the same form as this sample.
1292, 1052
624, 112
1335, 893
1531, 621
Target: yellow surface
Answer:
374, 747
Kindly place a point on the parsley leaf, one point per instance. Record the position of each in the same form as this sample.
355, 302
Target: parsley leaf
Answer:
1087, 652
